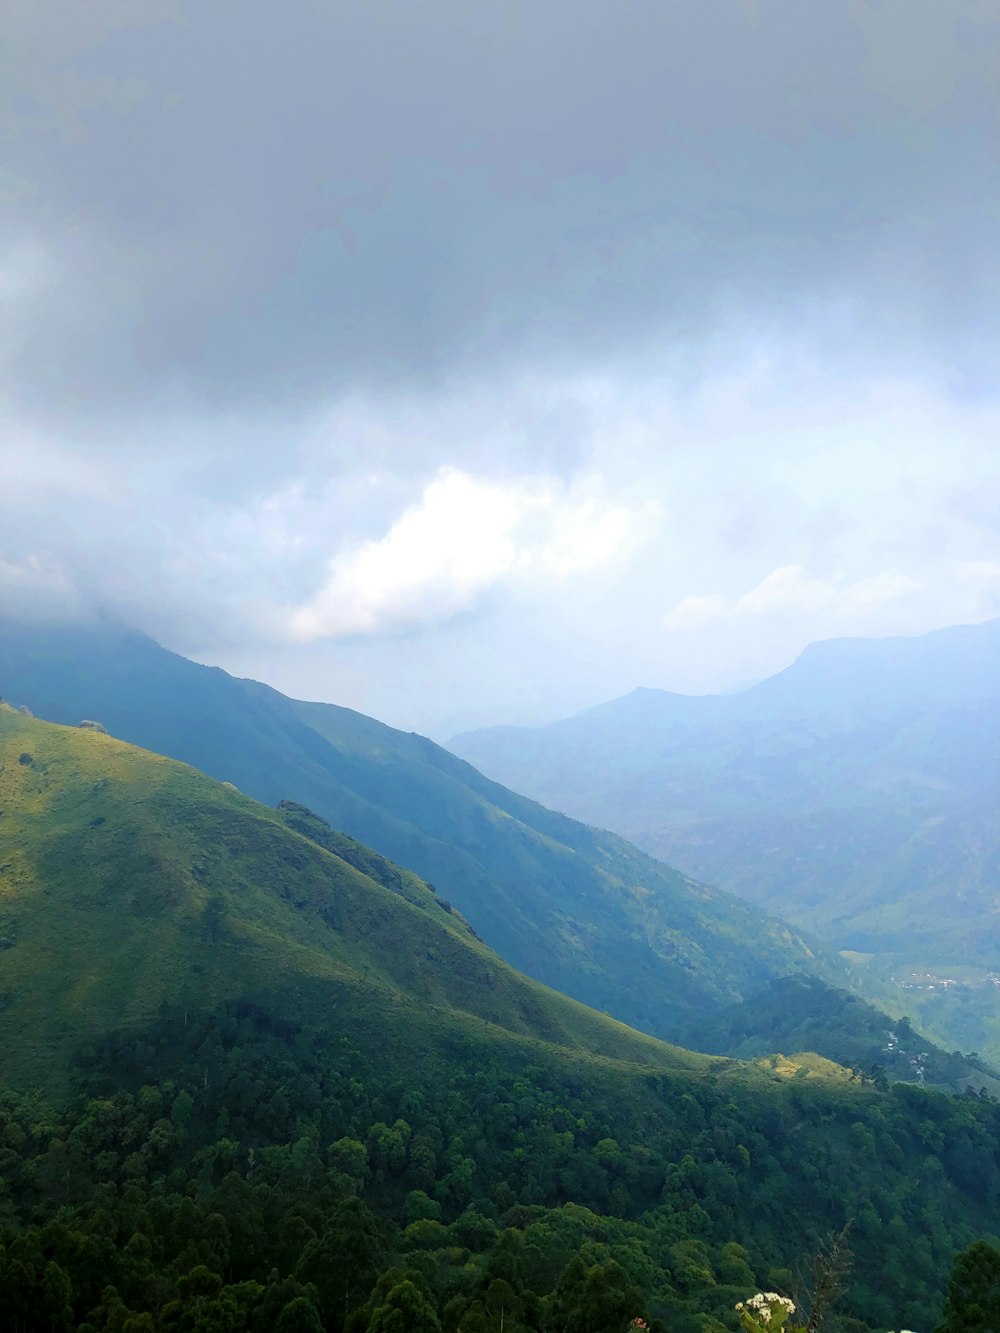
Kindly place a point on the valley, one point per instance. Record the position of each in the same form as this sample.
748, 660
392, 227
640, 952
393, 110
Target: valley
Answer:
855, 794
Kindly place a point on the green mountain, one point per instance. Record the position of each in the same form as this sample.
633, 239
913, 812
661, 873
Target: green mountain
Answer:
804, 1014
854, 794
130, 882
291, 1089
575, 908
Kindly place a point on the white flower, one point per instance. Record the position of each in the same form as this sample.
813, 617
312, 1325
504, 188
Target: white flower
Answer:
765, 1304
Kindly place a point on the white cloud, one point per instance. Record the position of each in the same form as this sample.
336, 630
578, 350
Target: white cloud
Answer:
35, 586
693, 611
980, 581
585, 536
790, 590
464, 536
787, 588
870, 594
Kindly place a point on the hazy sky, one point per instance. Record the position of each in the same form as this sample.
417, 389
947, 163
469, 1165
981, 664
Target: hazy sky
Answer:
468, 362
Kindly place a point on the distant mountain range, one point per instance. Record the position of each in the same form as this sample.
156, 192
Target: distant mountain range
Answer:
856, 794
579, 910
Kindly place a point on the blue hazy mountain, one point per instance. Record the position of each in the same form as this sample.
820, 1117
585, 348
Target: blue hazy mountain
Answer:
856, 794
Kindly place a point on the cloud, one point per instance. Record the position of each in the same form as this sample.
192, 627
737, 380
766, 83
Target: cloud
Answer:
385, 314
585, 535
35, 587
463, 537
980, 580
789, 590
385, 195
694, 610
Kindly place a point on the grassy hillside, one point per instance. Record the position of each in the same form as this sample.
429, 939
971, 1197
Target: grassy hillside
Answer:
580, 910
129, 882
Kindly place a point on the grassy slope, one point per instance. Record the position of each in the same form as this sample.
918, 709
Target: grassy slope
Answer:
130, 883
582, 911
128, 880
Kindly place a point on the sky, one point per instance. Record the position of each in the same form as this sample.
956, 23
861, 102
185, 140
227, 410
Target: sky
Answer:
474, 362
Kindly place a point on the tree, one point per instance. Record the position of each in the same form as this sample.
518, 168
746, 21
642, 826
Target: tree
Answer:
418, 1206
407, 1309
973, 1304
299, 1316
351, 1158
57, 1297
831, 1267
592, 1300
344, 1262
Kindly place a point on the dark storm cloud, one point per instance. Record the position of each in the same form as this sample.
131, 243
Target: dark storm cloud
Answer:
519, 331
257, 203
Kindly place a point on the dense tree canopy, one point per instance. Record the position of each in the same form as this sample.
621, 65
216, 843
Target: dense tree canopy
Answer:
237, 1174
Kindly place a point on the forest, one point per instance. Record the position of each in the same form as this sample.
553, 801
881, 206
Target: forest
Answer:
278, 1180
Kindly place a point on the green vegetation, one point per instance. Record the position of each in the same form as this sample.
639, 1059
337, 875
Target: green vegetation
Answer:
967, 1012
804, 1014
239, 1163
973, 1291
289, 1089
128, 881
575, 908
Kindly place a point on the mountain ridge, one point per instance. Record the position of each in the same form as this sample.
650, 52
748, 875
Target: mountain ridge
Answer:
833, 795
130, 880
576, 908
